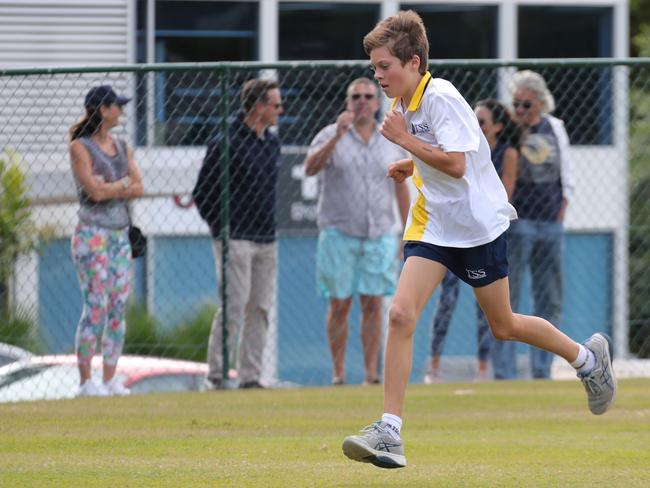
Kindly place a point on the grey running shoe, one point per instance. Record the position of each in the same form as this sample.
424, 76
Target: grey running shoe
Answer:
375, 445
600, 382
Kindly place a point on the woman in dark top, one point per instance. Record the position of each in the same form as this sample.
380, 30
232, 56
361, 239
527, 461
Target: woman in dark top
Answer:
542, 194
502, 136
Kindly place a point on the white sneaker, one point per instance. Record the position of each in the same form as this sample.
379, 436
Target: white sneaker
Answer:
92, 389
114, 387
432, 379
481, 376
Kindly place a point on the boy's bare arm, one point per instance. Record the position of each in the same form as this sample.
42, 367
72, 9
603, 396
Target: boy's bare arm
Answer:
394, 129
400, 170
403, 201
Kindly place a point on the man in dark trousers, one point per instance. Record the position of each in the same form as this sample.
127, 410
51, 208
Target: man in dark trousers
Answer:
254, 158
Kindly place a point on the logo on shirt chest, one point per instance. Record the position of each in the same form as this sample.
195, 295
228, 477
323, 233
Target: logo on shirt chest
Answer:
419, 128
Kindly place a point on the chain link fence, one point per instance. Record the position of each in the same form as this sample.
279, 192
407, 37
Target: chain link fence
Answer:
177, 109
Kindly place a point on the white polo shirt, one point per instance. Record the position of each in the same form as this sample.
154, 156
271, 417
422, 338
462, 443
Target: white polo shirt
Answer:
453, 212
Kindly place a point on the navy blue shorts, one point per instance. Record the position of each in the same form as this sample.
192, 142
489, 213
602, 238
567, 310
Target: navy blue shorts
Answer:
477, 266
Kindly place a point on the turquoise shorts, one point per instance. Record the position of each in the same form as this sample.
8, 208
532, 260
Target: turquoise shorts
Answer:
348, 265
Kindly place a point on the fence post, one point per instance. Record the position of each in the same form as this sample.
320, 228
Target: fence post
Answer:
225, 213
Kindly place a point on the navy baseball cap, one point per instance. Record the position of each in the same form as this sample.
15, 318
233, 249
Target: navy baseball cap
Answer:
104, 95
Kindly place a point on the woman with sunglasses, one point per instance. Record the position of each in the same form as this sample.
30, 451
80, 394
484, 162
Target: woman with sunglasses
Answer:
503, 138
107, 177
535, 240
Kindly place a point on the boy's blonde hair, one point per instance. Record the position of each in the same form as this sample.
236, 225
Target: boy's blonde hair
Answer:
404, 35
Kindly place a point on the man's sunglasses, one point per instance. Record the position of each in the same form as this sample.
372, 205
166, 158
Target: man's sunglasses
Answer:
526, 104
357, 96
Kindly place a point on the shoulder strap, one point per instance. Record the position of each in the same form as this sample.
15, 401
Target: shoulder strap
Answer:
122, 147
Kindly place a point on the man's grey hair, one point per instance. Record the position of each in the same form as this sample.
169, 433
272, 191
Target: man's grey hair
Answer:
360, 81
534, 82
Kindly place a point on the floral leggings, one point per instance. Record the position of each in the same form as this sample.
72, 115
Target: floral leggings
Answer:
102, 258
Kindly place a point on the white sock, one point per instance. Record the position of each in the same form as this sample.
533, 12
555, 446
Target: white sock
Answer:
395, 424
585, 361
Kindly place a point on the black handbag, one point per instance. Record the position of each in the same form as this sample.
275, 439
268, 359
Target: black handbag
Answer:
138, 242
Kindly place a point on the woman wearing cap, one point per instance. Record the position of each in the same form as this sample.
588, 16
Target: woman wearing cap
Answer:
106, 176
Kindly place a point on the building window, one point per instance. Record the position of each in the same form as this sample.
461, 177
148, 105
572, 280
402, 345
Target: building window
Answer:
565, 32
314, 30
459, 31
462, 32
185, 107
583, 96
206, 31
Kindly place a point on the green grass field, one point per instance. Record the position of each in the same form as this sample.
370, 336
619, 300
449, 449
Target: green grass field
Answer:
497, 434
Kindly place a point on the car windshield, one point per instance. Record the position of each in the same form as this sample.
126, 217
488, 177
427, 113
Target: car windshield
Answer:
21, 374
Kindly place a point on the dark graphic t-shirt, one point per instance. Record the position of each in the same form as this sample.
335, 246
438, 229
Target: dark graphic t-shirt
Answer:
538, 194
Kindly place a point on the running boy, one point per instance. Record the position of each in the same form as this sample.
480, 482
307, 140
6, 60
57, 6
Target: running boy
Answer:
457, 223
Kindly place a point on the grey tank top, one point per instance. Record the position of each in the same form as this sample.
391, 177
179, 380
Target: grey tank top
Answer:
111, 214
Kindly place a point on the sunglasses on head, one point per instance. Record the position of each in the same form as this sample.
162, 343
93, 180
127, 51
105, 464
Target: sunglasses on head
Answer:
357, 96
526, 104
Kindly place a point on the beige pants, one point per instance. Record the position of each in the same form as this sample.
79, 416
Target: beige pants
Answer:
251, 273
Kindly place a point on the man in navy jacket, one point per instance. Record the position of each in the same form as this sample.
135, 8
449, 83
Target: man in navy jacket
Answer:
254, 158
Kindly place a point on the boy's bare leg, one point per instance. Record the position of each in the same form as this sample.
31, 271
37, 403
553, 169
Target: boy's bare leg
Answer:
593, 360
380, 443
418, 281
494, 300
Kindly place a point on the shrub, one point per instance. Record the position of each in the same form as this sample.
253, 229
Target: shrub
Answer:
20, 328
17, 233
187, 340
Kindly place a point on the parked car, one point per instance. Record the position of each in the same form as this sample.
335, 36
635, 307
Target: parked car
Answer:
56, 376
9, 353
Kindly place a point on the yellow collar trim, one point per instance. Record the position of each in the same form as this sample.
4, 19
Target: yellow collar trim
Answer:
416, 100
